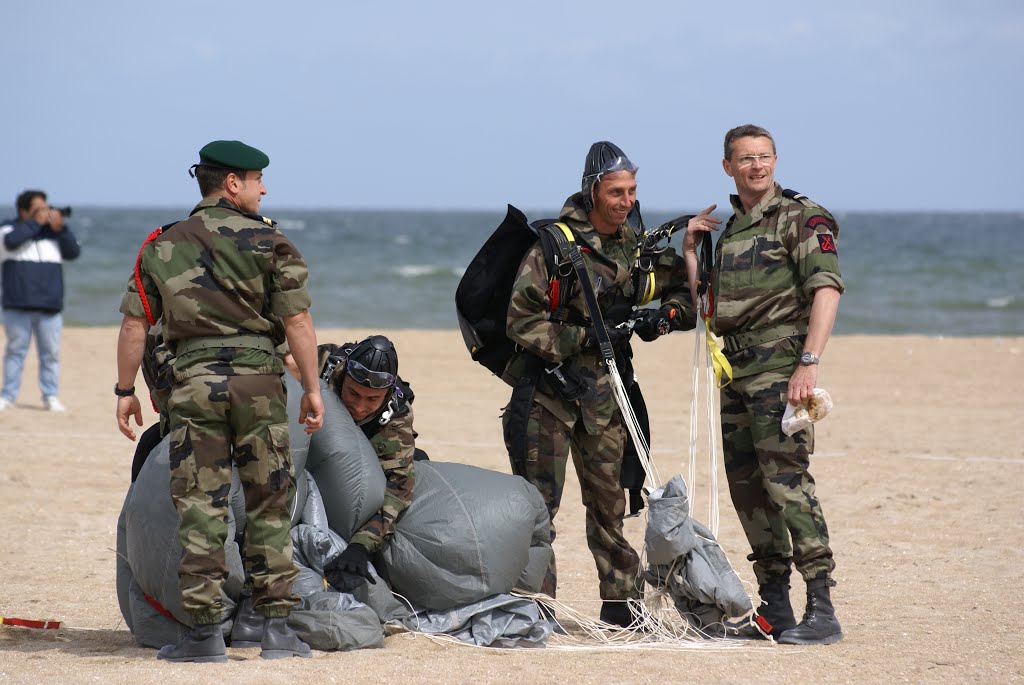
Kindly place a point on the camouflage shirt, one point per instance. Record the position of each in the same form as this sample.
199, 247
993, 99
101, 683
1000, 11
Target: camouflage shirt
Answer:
768, 263
610, 261
394, 443
220, 273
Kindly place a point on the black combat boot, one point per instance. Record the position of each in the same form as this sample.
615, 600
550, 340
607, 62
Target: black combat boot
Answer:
775, 615
204, 643
616, 613
247, 630
819, 625
280, 641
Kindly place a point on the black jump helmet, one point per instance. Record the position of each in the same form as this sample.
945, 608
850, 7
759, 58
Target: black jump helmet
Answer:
373, 362
603, 158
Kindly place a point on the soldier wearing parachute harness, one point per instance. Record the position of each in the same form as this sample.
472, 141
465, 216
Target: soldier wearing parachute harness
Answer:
774, 292
227, 287
562, 399
365, 377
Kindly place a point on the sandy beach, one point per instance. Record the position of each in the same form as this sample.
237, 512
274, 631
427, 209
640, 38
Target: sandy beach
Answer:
918, 469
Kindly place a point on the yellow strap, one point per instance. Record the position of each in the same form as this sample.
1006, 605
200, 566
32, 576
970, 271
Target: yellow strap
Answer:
718, 359
567, 231
648, 291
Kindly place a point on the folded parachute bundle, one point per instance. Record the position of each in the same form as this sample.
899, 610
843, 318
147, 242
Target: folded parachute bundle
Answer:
685, 559
469, 536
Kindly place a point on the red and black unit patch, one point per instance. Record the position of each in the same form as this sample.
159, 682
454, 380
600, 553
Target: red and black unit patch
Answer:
827, 243
819, 220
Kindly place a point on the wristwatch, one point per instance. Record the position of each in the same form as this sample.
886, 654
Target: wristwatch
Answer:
124, 393
807, 359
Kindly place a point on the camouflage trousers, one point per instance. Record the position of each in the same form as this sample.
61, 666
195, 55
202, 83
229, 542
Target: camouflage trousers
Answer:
598, 460
216, 421
768, 478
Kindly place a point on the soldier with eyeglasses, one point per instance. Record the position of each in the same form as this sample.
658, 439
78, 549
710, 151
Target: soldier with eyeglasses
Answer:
775, 287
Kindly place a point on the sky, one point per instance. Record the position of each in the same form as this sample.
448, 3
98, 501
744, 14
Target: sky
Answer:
874, 105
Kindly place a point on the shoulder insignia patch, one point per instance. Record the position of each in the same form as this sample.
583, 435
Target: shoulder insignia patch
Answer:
819, 220
827, 243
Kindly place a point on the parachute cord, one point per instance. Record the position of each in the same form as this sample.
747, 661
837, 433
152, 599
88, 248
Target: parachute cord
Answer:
702, 344
632, 424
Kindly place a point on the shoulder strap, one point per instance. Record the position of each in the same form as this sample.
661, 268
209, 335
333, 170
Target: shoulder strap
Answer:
567, 245
138, 275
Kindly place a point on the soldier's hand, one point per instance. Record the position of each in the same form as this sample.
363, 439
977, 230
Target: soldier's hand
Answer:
126, 408
350, 569
802, 384
657, 322
697, 227
311, 411
618, 337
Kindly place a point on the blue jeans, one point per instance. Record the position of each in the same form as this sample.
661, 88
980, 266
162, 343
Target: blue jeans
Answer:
20, 325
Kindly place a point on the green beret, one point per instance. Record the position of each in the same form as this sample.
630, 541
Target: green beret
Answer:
233, 154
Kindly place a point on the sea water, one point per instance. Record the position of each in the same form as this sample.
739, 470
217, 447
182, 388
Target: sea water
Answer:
906, 273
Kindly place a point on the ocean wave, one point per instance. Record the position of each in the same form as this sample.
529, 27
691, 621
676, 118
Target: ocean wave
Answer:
428, 270
291, 224
1000, 302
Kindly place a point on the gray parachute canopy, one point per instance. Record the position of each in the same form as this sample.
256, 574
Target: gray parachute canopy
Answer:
684, 556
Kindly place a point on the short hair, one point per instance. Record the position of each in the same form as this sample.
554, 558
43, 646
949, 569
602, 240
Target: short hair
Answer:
745, 131
211, 178
24, 201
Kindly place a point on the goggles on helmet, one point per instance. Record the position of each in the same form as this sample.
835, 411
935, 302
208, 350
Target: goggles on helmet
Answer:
620, 163
378, 380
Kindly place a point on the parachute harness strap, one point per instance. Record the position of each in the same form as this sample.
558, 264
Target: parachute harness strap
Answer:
607, 352
138, 276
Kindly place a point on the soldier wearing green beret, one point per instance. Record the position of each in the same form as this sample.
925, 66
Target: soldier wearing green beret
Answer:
775, 288
226, 287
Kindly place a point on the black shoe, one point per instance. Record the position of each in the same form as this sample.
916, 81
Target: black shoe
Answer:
247, 630
204, 643
819, 625
280, 641
617, 613
775, 615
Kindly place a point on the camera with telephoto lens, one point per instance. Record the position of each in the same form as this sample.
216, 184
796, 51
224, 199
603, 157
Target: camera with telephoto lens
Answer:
65, 211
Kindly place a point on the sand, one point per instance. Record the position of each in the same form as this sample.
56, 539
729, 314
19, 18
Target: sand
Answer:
919, 469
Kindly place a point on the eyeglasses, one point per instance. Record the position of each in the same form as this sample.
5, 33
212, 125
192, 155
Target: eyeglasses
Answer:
378, 380
747, 160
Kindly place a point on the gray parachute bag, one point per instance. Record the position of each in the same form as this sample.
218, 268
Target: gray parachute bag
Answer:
345, 468
469, 533
684, 556
153, 551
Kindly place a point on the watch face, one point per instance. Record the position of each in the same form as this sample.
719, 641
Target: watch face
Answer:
808, 358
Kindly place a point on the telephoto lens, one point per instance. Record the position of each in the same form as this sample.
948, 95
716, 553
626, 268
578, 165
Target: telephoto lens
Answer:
65, 211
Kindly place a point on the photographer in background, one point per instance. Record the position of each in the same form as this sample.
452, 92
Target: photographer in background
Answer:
32, 252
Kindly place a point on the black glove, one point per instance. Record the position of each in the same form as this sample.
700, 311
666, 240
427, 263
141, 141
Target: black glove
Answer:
350, 569
657, 322
618, 337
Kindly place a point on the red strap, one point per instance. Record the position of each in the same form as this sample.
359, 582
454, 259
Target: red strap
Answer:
158, 606
28, 623
554, 293
138, 276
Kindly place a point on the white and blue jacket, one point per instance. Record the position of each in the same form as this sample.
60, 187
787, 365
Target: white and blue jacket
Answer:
31, 256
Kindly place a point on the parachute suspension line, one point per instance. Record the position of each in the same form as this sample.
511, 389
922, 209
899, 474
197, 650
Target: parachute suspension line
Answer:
643, 450
702, 343
711, 388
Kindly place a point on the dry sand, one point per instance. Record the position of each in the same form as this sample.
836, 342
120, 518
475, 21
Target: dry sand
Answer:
919, 470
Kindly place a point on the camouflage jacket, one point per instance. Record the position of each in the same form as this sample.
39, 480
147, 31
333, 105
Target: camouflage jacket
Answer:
610, 262
768, 263
220, 273
394, 443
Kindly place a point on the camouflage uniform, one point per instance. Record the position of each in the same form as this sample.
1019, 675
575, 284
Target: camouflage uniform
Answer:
158, 373
592, 427
395, 444
218, 282
768, 264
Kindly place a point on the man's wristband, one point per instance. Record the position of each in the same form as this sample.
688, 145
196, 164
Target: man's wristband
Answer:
124, 393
